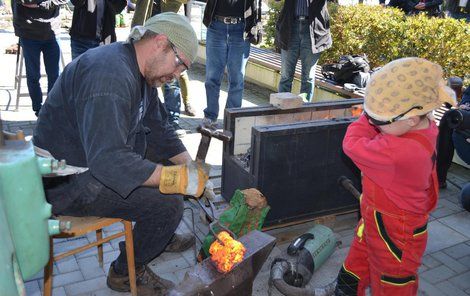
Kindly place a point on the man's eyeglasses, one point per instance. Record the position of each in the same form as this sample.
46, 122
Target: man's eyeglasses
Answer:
179, 61
396, 118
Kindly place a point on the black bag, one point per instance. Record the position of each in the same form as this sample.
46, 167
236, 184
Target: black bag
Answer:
346, 69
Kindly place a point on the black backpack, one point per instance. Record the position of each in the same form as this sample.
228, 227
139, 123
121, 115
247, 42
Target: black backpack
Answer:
346, 68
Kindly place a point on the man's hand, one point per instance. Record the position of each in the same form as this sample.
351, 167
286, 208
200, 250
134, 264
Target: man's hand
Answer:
420, 6
188, 179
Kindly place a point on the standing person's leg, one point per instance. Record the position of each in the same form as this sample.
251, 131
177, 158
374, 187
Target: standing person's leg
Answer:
172, 98
289, 59
309, 62
216, 53
238, 53
51, 55
184, 85
143, 10
31, 53
79, 46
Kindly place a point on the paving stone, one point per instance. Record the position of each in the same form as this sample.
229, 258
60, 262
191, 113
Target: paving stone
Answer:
67, 264
87, 286
437, 274
180, 274
442, 236
462, 281
65, 279
59, 291
161, 267
90, 267
94, 251
428, 289
32, 288
107, 292
449, 289
450, 262
430, 262
110, 256
458, 251
465, 261
450, 205
459, 222
171, 276
442, 212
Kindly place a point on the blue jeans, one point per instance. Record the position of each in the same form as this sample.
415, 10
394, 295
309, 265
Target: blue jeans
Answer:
80, 45
225, 46
51, 54
172, 97
300, 46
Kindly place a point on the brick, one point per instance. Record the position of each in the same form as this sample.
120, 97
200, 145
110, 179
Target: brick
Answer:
437, 274
285, 100
462, 281
465, 261
90, 267
59, 291
86, 286
449, 289
65, 279
450, 262
458, 251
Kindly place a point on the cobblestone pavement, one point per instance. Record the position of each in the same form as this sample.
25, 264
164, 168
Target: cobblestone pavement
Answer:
446, 264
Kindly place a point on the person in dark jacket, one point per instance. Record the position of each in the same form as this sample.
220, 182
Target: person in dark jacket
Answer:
302, 31
36, 23
459, 9
229, 25
431, 7
93, 23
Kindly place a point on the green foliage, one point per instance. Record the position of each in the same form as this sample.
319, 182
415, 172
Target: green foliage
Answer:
270, 27
387, 34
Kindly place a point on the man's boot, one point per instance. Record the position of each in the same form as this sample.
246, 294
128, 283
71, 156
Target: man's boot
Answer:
148, 283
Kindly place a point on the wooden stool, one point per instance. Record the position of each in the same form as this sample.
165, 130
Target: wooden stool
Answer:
81, 226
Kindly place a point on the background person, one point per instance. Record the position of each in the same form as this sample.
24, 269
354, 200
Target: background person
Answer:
93, 23
36, 24
302, 32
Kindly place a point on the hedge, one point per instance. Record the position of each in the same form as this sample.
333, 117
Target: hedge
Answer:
385, 34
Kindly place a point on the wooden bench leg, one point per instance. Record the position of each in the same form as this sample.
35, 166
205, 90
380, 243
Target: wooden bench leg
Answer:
48, 269
130, 256
99, 236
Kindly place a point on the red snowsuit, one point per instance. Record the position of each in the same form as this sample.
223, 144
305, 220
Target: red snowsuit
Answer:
400, 188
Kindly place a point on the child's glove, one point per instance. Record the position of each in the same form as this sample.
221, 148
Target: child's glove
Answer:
187, 179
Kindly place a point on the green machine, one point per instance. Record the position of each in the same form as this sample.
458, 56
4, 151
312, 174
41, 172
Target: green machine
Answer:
25, 226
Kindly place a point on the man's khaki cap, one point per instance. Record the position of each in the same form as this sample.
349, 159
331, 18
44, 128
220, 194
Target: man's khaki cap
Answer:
176, 27
403, 84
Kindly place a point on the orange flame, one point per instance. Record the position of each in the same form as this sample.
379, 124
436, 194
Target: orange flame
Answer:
226, 255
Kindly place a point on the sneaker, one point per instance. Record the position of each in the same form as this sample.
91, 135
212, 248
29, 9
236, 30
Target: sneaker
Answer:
188, 109
148, 283
178, 130
180, 243
209, 123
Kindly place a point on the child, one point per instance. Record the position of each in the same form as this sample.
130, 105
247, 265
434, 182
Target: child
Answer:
393, 143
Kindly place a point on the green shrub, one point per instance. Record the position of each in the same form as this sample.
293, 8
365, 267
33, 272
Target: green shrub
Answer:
387, 34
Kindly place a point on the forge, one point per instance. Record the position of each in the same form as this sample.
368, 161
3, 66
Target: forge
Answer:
204, 279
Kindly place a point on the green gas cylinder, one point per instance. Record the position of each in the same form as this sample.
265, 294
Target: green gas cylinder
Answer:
321, 246
23, 202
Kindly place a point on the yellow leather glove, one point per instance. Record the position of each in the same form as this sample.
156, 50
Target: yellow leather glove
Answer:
187, 179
